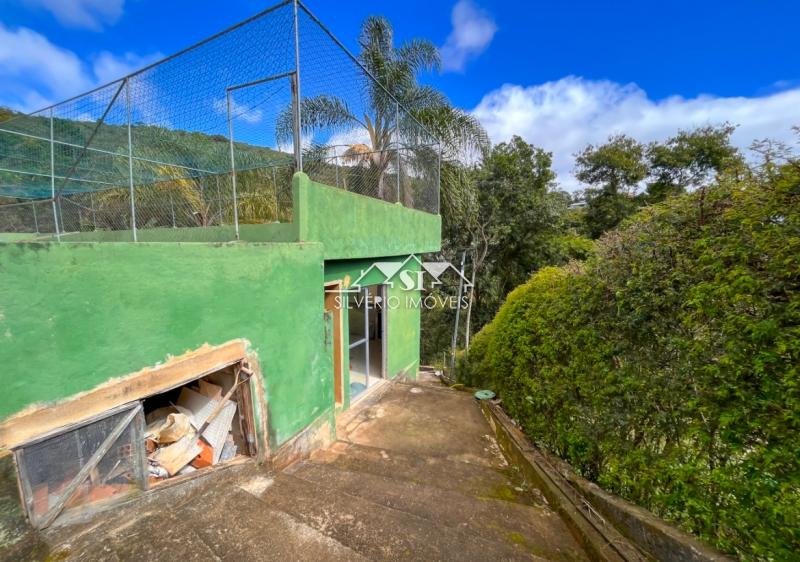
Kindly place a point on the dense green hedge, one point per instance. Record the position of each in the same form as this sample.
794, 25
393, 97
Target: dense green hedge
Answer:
666, 366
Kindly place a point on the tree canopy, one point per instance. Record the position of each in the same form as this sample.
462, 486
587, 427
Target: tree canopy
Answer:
665, 367
623, 174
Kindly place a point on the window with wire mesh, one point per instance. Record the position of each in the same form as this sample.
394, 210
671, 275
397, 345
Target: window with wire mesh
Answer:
49, 468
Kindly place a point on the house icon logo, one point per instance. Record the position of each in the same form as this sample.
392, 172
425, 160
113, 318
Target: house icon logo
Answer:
408, 275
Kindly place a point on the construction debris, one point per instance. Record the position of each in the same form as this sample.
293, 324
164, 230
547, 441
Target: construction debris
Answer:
228, 449
199, 409
205, 457
210, 390
168, 430
187, 428
177, 455
193, 433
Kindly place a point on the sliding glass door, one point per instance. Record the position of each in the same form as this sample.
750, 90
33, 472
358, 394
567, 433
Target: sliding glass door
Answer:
365, 317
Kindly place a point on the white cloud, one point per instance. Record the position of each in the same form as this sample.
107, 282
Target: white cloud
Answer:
288, 147
473, 30
33, 70
239, 111
35, 73
344, 139
108, 67
88, 14
565, 115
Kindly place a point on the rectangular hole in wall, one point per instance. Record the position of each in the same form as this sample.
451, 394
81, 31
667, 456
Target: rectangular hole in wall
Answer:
172, 418
138, 445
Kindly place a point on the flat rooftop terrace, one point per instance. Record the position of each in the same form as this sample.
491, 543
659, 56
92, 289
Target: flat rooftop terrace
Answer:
205, 145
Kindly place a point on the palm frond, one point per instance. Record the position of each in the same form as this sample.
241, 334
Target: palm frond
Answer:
425, 97
319, 112
357, 154
420, 55
376, 34
459, 132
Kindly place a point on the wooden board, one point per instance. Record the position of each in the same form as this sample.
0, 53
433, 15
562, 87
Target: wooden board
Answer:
179, 454
42, 421
338, 344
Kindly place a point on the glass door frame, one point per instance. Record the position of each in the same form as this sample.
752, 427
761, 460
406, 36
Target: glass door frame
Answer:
364, 293
365, 340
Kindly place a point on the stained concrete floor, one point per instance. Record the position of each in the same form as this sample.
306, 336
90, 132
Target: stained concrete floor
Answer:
415, 475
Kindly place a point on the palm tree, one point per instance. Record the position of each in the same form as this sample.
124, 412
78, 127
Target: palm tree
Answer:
383, 118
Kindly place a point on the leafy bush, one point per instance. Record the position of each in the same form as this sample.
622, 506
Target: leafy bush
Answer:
665, 367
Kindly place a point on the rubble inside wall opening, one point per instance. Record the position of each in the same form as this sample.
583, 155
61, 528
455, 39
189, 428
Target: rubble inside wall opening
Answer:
200, 424
135, 446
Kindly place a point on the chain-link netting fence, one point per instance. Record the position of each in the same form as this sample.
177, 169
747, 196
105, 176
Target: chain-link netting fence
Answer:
210, 138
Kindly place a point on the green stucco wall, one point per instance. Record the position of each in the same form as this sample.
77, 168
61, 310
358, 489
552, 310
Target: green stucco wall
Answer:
355, 226
97, 306
402, 333
74, 315
15, 236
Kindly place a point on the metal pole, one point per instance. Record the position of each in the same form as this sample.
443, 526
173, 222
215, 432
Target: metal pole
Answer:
366, 334
53, 176
61, 213
469, 306
204, 205
275, 187
458, 311
130, 158
344, 172
336, 160
298, 153
219, 200
296, 136
233, 164
397, 141
35, 221
172, 209
439, 180
94, 213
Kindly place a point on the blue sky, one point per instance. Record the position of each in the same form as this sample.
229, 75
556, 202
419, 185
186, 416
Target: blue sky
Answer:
561, 74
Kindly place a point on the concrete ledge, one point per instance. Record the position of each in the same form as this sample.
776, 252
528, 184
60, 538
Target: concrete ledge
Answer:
608, 527
600, 541
653, 535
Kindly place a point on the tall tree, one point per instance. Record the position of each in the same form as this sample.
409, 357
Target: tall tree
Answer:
518, 214
613, 172
510, 223
689, 160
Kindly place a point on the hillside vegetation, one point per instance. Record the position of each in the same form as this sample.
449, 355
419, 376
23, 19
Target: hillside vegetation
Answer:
665, 367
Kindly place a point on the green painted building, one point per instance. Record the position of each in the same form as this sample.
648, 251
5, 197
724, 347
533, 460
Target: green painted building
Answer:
90, 326
173, 296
